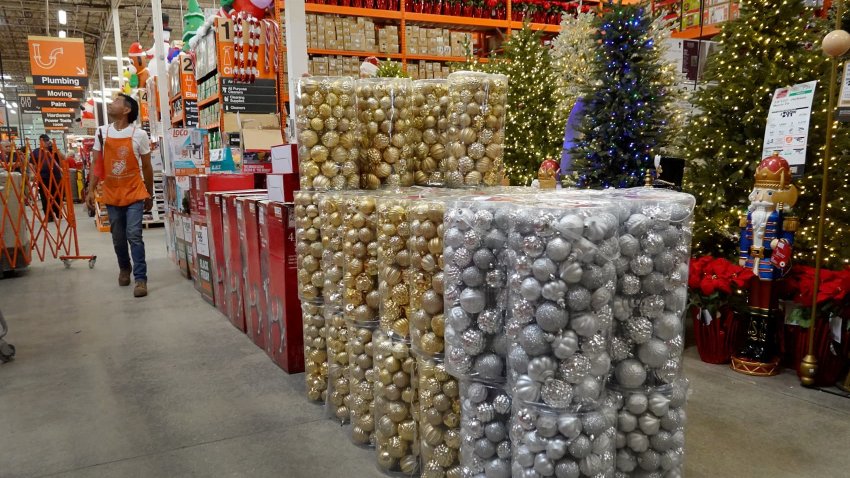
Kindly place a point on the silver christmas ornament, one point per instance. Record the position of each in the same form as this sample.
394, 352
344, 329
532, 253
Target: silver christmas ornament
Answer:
630, 373
556, 393
550, 317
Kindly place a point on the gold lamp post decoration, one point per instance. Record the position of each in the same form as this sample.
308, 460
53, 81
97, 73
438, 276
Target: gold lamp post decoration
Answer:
835, 44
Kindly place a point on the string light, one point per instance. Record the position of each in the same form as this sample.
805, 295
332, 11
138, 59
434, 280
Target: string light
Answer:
759, 53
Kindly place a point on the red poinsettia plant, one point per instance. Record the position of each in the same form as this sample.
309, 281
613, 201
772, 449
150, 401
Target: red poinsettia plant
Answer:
715, 282
833, 294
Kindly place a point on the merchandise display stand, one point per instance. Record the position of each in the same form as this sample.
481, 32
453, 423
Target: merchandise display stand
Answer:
222, 93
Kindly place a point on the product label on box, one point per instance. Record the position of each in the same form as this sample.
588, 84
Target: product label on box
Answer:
187, 228
278, 212
261, 218
202, 245
238, 213
282, 159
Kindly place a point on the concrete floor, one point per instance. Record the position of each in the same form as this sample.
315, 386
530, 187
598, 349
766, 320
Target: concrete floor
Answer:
106, 385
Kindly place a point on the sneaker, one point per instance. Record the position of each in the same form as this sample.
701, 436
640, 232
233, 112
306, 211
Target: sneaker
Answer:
124, 277
141, 289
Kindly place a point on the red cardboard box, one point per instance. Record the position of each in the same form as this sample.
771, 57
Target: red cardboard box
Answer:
230, 215
285, 342
185, 256
252, 284
217, 256
201, 184
233, 258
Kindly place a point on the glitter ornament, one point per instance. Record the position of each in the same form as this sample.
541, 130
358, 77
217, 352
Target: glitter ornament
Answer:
556, 393
574, 369
550, 317
639, 329
641, 265
578, 298
388, 103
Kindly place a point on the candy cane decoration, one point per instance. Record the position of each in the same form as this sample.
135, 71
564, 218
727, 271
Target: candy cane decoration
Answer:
238, 47
253, 55
272, 44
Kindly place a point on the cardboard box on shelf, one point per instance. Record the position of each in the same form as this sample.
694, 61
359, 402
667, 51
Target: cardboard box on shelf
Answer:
233, 280
285, 343
256, 149
217, 251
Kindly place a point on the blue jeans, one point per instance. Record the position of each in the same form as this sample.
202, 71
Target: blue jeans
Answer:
126, 225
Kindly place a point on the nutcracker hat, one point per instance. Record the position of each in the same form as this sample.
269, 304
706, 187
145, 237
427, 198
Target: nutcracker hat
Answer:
774, 173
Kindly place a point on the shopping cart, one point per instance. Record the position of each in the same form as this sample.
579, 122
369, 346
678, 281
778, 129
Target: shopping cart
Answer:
7, 350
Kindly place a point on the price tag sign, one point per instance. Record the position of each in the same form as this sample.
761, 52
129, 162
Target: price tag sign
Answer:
844, 96
787, 130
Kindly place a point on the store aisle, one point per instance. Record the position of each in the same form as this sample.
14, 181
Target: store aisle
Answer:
106, 385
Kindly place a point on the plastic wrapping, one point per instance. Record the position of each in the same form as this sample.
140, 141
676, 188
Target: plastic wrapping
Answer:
384, 112
652, 291
428, 133
476, 132
396, 405
337, 341
315, 351
485, 445
562, 282
651, 430
439, 419
427, 322
308, 246
553, 442
475, 296
361, 300
325, 122
333, 260
361, 382
393, 232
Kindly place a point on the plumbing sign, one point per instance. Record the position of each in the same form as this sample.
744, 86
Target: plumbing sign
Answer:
58, 62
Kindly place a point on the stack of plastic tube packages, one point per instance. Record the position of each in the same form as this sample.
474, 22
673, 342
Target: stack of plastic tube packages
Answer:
482, 332
536, 312
428, 134
308, 247
385, 116
336, 331
476, 129
326, 128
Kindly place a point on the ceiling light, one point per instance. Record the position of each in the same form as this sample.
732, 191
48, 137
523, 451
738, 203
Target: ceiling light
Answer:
113, 58
62, 34
7, 77
115, 78
63, 17
14, 104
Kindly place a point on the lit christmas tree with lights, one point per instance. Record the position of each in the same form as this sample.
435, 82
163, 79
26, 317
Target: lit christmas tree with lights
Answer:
773, 44
627, 105
532, 132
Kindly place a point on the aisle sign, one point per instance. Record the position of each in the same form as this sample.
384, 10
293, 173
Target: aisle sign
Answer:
45, 104
59, 93
787, 128
28, 104
256, 97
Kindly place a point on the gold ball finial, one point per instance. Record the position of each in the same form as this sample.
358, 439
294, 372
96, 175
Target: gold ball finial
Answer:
836, 43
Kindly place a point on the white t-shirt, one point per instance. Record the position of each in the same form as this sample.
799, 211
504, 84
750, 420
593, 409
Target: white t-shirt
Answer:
141, 143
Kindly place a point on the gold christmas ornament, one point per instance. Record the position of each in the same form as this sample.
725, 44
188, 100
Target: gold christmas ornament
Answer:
395, 404
439, 421
361, 386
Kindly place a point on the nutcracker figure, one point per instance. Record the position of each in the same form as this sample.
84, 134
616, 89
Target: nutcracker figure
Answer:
767, 234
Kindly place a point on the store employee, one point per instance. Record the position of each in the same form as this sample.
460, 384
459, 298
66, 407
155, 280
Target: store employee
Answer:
122, 155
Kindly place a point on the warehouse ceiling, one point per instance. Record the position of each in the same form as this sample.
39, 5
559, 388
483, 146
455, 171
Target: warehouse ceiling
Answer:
87, 19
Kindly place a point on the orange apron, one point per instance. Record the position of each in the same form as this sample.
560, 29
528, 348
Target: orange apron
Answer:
123, 184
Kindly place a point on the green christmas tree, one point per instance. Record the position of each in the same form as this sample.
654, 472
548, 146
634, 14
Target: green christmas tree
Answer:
532, 132
627, 102
773, 44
